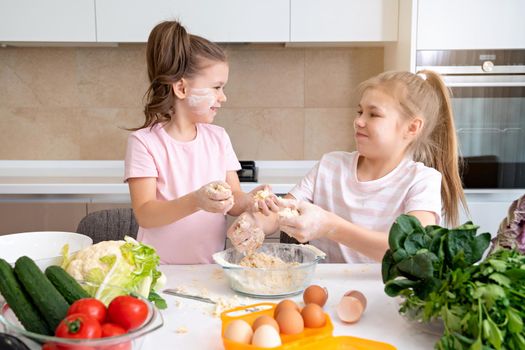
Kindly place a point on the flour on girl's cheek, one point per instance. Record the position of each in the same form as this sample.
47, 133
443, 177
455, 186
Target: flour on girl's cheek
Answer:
201, 100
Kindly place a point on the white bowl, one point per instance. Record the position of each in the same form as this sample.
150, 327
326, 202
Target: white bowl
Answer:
44, 247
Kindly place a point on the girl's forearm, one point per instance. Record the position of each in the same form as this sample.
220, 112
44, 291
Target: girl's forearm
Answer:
371, 243
241, 203
159, 213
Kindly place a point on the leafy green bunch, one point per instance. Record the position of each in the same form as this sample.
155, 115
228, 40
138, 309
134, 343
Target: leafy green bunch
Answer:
434, 270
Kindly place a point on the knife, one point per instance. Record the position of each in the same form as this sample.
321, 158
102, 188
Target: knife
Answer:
188, 296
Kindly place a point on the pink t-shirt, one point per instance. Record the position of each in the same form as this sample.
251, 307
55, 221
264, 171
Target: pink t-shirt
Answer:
333, 185
181, 168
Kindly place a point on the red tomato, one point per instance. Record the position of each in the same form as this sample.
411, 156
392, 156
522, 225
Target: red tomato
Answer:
79, 326
53, 346
112, 330
89, 306
49, 346
127, 311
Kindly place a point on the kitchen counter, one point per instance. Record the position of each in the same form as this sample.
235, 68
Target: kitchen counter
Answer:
101, 182
190, 324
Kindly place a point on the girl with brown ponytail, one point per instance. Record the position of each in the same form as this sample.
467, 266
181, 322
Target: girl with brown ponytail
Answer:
406, 163
181, 169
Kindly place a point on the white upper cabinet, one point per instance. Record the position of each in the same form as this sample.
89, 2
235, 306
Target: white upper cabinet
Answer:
343, 20
470, 24
47, 21
220, 21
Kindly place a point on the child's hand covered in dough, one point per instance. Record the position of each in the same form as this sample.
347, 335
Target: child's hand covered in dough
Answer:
245, 235
302, 220
215, 197
258, 198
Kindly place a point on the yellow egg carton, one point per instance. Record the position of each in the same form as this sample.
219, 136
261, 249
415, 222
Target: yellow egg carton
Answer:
309, 339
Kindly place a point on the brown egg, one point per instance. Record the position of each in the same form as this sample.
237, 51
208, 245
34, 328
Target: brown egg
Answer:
290, 321
285, 304
239, 331
313, 316
265, 319
315, 294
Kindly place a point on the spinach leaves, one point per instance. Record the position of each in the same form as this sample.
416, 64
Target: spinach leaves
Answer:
436, 272
418, 257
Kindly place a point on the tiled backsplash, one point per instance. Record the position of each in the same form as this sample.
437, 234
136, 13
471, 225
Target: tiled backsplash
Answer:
283, 103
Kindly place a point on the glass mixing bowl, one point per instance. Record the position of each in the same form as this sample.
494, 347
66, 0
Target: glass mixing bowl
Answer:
271, 282
129, 341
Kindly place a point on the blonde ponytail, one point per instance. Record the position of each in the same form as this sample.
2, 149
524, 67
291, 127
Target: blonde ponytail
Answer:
443, 155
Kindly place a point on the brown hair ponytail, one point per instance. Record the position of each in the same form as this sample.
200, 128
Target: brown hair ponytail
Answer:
425, 94
173, 54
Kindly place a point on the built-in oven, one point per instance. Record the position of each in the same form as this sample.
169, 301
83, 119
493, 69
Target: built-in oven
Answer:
488, 98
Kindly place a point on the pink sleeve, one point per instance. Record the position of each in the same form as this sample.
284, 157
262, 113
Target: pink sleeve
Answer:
139, 161
425, 195
304, 190
232, 163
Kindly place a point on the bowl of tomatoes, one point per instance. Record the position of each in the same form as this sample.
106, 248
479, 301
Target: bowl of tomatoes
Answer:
91, 325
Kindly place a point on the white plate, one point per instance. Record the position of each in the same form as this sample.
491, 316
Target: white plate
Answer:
44, 247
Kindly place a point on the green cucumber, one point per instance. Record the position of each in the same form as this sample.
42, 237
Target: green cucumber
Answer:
45, 296
65, 284
20, 302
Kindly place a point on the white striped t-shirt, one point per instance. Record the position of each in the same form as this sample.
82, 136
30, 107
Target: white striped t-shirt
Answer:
333, 185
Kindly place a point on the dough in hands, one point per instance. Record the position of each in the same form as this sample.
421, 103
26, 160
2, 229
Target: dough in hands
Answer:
288, 213
246, 237
260, 196
215, 188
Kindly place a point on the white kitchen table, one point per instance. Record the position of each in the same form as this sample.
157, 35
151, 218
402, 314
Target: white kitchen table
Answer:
190, 324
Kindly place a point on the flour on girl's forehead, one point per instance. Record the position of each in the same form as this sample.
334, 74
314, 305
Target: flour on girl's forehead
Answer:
201, 99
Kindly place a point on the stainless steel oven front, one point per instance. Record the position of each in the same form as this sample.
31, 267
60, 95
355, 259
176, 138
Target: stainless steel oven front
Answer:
488, 89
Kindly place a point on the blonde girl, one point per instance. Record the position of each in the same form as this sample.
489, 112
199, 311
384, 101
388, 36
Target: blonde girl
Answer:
180, 168
406, 162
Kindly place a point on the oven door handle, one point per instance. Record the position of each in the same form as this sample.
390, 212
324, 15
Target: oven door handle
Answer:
484, 80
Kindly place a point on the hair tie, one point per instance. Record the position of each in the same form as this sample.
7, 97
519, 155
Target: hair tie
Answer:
422, 76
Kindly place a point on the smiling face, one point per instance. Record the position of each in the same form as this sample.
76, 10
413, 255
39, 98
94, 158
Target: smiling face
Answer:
204, 93
380, 129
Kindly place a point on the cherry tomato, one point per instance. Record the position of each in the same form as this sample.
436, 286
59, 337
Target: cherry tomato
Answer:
49, 346
127, 311
79, 326
112, 330
89, 306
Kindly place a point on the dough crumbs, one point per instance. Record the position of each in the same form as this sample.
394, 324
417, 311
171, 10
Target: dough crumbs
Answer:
218, 274
261, 195
288, 213
181, 330
262, 260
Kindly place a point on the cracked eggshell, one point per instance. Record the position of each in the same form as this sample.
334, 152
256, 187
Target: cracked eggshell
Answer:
358, 295
349, 309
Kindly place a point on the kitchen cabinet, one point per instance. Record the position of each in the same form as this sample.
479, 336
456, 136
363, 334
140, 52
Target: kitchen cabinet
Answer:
40, 216
47, 21
343, 20
470, 24
220, 21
